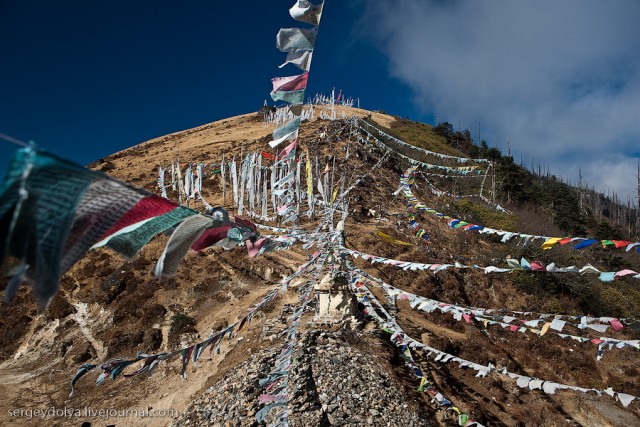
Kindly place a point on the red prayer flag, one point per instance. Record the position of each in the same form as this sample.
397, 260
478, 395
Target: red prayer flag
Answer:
254, 248
210, 237
621, 243
147, 207
245, 223
537, 266
616, 325
290, 83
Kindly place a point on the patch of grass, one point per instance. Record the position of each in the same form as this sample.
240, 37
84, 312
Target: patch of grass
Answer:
485, 215
419, 134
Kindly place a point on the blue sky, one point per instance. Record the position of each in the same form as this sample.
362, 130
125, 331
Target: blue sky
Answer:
88, 78
560, 81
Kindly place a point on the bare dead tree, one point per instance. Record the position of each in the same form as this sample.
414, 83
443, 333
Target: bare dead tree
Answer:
580, 190
638, 204
628, 215
598, 204
493, 181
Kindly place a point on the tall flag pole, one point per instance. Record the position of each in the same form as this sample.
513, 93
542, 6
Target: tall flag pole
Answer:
298, 43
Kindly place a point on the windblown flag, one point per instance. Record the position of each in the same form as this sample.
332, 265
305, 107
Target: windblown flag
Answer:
294, 39
305, 11
290, 83
293, 97
393, 240
52, 211
286, 137
286, 129
299, 58
298, 43
289, 89
581, 243
291, 148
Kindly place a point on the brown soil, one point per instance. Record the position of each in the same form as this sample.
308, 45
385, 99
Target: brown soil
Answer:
112, 307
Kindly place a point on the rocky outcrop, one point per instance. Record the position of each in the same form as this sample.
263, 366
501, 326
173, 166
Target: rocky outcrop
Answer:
332, 383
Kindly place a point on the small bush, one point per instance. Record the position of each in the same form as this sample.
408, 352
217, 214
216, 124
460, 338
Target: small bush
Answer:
613, 301
485, 215
180, 324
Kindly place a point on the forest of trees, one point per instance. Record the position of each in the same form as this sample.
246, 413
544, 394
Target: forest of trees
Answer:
578, 210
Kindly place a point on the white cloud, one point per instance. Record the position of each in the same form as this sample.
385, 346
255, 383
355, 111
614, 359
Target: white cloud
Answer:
559, 80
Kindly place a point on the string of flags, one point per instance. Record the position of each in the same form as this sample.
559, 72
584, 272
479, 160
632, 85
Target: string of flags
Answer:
368, 125
364, 296
513, 265
400, 338
418, 231
439, 175
276, 384
298, 43
114, 367
388, 325
549, 242
507, 315
461, 170
435, 190
487, 318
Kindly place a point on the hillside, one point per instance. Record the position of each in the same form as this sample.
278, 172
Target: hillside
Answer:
341, 374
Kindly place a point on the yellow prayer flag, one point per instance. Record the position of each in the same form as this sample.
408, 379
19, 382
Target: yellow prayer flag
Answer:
390, 239
309, 176
545, 328
548, 244
335, 194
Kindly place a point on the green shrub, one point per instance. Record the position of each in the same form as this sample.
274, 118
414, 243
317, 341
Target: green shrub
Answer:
618, 300
487, 216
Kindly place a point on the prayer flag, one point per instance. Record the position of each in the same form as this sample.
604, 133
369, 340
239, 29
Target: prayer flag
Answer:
393, 240
293, 39
294, 97
290, 83
299, 58
286, 129
305, 11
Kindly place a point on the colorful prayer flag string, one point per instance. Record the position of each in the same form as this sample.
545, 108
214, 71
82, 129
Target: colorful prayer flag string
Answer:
549, 242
